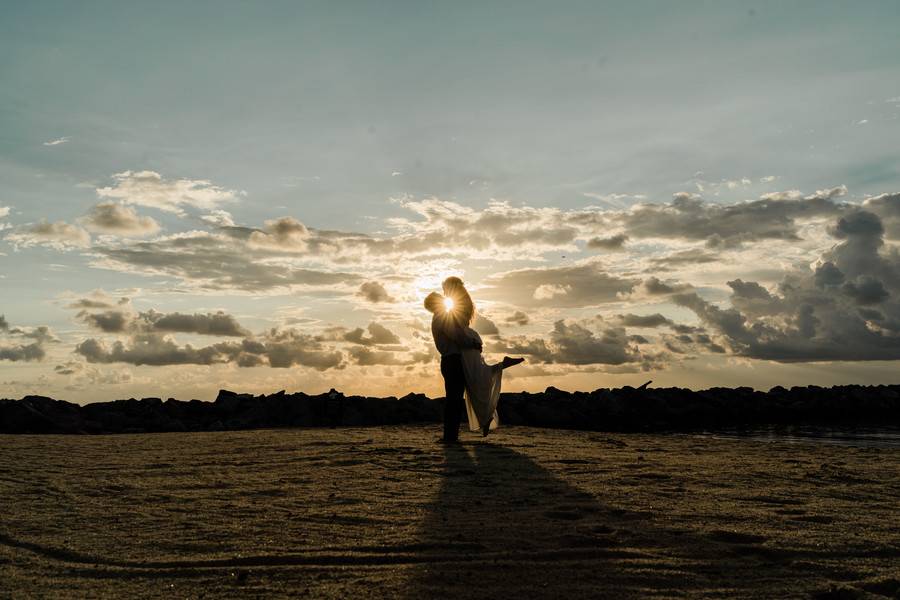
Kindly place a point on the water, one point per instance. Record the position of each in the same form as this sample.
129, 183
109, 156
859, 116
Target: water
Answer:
859, 436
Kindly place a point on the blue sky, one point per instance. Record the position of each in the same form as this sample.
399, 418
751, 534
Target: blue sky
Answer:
348, 117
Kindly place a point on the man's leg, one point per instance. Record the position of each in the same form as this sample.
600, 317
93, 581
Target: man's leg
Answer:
454, 387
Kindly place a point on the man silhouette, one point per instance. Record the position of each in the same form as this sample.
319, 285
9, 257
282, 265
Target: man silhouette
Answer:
450, 340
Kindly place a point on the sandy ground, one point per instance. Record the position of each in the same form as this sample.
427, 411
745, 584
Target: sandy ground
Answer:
387, 512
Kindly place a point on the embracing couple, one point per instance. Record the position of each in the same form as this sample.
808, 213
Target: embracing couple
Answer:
467, 378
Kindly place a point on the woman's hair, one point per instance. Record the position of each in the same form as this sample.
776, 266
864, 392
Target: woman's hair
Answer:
434, 302
463, 307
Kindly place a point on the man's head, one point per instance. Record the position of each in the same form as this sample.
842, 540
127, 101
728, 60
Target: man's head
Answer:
434, 302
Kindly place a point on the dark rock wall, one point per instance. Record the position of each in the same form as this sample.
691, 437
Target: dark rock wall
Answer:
624, 409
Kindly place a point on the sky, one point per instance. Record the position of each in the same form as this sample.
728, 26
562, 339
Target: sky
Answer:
258, 196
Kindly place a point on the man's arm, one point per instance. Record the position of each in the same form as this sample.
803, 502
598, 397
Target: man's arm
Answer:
456, 332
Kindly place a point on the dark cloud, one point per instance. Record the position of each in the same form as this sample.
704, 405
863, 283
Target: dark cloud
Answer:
378, 335
218, 323
22, 352
653, 286
17, 351
616, 242
285, 234
484, 326
110, 321
887, 207
277, 348
815, 315
693, 256
374, 292
517, 318
367, 357
109, 217
649, 321
690, 218
124, 321
574, 344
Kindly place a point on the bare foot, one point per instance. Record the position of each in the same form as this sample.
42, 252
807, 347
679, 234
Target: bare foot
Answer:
509, 362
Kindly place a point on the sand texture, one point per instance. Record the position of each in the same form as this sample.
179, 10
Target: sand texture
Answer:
387, 512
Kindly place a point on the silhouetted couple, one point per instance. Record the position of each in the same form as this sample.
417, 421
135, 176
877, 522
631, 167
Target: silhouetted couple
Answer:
468, 380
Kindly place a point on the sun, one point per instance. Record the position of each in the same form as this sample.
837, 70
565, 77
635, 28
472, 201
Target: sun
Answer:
448, 304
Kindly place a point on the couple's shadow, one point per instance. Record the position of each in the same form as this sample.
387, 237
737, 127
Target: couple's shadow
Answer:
504, 526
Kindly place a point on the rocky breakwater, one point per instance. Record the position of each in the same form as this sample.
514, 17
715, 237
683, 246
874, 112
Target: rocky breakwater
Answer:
621, 409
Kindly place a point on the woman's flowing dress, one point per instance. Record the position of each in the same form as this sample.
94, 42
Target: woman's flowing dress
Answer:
482, 388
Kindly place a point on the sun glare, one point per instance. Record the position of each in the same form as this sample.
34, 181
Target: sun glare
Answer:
448, 304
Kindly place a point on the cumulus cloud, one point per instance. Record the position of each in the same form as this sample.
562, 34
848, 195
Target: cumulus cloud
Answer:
374, 292
688, 217
285, 234
887, 207
573, 343
846, 308
113, 218
4, 211
214, 261
149, 188
615, 242
59, 236
587, 284
275, 348
649, 321
517, 318
126, 321
484, 326
23, 344
377, 334
97, 299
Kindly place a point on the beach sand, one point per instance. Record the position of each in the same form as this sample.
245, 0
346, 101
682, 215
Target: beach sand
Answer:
388, 512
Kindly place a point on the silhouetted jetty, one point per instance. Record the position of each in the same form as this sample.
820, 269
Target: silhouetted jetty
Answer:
622, 409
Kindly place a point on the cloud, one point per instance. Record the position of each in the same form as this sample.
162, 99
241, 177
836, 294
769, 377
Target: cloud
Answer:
845, 308
113, 218
4, 211
219, 218
517, 318
887, 207
378, 334
285, 234
688, 217
126, 321
368, 357
97, 299
573, 343
215, 261
587, 284
148, 188
616, 242
59, 236
58, 141
21, 351
374, 292
218, 323
275, 348
484, 326
649, 321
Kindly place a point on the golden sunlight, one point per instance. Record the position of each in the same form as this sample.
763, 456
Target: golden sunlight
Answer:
448, 304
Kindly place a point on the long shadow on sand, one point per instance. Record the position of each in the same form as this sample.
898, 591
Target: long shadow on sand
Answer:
504, 526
